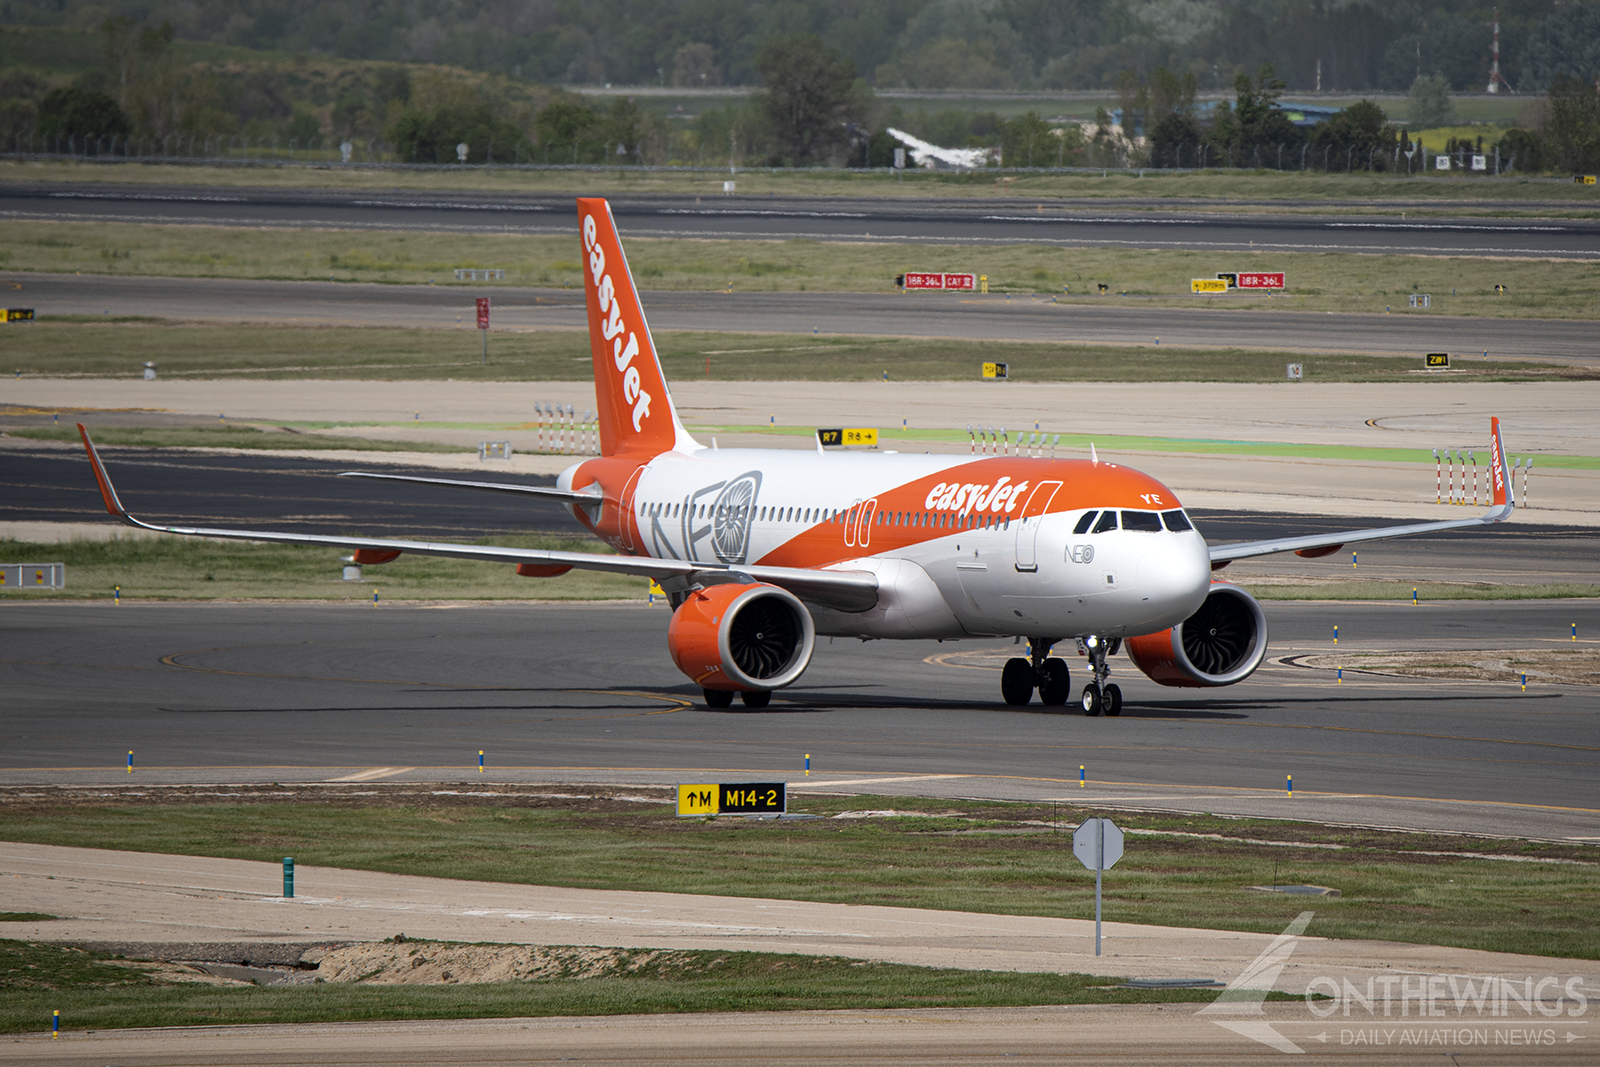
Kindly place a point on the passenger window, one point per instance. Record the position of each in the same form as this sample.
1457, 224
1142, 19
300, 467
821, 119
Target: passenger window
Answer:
1107, 523
1085, 522
1142, 521
1176, 521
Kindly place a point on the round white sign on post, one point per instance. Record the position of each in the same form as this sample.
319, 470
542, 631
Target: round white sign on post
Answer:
1088, 841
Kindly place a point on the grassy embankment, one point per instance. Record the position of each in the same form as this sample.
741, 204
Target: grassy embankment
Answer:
101, 349
95, 992
1431, 192
1341, 282
963, 855
189, 568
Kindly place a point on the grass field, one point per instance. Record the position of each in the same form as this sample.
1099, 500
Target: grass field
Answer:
55, 349
960, 855
235, 436
1450, 192
1316, 281
191, 568
93, 992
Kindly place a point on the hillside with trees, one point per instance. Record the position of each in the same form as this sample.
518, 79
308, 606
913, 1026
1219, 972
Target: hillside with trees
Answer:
1060, 44
139, 88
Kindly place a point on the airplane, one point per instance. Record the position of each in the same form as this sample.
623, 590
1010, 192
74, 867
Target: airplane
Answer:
760, 551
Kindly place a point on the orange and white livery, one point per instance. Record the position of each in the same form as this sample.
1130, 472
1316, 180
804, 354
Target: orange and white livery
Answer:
761, 550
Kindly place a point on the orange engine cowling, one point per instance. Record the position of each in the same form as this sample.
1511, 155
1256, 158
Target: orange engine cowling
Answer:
1220, 644
743, 638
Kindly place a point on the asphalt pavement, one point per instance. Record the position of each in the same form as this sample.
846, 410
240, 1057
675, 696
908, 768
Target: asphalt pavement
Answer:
997, 220
209, 692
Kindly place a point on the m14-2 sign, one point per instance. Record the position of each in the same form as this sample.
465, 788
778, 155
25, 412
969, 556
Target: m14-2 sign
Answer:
1261, 281
737, 798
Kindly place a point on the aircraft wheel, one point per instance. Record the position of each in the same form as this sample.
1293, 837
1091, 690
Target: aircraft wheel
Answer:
1057, 687
718, 698
760, 698
1016, 681
1113, 699
1091, 699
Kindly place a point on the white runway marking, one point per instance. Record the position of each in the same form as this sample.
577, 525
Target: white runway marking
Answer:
374, 773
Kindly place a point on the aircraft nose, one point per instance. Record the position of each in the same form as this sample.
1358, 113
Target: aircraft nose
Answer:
1177, 577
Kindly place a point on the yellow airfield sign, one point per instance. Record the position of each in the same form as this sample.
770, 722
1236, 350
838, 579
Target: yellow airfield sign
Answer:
1208, 285
849, 435
738, 798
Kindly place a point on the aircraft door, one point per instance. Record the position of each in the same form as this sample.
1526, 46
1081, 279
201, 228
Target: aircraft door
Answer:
1028, 524
628, 538
851, 518
864, 531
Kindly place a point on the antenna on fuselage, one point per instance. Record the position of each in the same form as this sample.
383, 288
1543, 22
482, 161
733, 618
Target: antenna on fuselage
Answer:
1094, 459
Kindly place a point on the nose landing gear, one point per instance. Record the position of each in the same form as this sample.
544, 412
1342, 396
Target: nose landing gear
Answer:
1097, 695
1049, 676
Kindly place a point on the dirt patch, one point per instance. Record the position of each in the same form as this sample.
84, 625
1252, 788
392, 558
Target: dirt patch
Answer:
1576, 666
440, 963
25, 799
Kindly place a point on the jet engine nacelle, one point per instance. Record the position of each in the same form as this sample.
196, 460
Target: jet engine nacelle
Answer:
1220, 644
741, 638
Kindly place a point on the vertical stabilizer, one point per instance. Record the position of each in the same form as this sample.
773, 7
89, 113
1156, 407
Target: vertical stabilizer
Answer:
1499, 474
636, 412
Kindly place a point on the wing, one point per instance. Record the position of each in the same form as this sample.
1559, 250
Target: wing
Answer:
591, 495
1501, 506
843, 590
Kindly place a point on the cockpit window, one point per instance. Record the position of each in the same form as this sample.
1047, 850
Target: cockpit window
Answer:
1107, 523
1177, 521
1143, 521
1085, 522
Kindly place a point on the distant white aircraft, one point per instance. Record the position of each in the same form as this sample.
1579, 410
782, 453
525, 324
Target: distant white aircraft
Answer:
932, 156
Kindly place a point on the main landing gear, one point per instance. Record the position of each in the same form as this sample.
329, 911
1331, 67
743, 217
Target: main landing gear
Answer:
1049, 676
1097, 695
723, 698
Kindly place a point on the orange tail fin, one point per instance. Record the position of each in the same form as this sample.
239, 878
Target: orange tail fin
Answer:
1499, 473
636, 412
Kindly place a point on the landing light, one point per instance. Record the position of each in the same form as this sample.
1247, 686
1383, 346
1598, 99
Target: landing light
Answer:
1091, 641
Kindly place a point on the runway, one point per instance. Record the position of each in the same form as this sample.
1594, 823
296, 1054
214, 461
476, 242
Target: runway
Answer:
997, 220
974, 317
585, 693
1134, 1036
51, 484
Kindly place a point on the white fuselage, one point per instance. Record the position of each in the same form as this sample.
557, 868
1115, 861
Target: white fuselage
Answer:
991, 556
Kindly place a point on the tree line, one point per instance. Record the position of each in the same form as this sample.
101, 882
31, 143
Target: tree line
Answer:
812, 108
1351, 45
